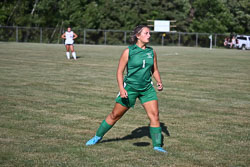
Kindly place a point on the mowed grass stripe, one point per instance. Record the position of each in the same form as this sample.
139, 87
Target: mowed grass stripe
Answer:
50, 106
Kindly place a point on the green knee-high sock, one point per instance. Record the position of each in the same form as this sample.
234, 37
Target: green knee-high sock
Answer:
103, 128
155, 133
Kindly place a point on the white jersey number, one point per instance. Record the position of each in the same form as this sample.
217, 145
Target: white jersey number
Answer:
143, 63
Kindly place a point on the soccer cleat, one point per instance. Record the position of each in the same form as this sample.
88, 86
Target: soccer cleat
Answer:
160, 149
93, 141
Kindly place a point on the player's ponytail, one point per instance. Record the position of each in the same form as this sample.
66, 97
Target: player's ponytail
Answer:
137, 30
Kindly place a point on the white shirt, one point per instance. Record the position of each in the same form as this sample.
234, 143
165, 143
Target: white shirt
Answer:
69, 37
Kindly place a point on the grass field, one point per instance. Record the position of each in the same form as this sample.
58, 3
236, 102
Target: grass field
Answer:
50, 106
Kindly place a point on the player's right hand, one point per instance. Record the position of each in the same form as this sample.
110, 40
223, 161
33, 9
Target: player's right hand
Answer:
123, 93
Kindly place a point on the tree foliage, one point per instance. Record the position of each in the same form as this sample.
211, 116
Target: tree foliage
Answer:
217, 16
210, 16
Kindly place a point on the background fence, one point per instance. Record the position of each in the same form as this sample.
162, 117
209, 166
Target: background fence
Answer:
107, 37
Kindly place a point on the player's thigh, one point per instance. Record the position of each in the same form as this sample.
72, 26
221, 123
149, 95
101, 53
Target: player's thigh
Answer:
117, 112
72, 48
67, 47
151, 108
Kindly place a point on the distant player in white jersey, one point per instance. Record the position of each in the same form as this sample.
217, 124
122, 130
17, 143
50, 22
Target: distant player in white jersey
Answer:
69, 37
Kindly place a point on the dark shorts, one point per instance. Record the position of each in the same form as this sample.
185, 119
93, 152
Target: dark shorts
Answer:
144, 96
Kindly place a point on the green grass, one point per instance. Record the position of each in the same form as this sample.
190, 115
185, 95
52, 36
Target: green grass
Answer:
50, 106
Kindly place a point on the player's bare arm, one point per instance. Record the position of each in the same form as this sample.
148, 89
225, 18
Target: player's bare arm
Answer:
75, 36
63, 36
121, 67
156, 74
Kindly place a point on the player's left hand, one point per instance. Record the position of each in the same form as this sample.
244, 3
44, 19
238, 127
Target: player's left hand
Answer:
159, 86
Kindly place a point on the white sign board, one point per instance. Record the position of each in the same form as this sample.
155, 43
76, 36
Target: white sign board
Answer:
161, 26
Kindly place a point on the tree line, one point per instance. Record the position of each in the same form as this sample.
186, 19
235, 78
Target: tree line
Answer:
210, 16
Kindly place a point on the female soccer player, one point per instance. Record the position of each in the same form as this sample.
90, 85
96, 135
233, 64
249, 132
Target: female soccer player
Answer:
141, 63
69, 36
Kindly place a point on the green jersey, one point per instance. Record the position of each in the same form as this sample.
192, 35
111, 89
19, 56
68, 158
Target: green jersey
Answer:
139, 67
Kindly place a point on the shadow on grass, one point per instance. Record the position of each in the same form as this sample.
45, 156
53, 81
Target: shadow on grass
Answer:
139, 133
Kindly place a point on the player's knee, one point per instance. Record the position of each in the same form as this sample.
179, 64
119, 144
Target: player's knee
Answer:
115, 116
154, 121
154, 117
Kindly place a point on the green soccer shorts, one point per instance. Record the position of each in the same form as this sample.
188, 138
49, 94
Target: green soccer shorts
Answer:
144, 96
